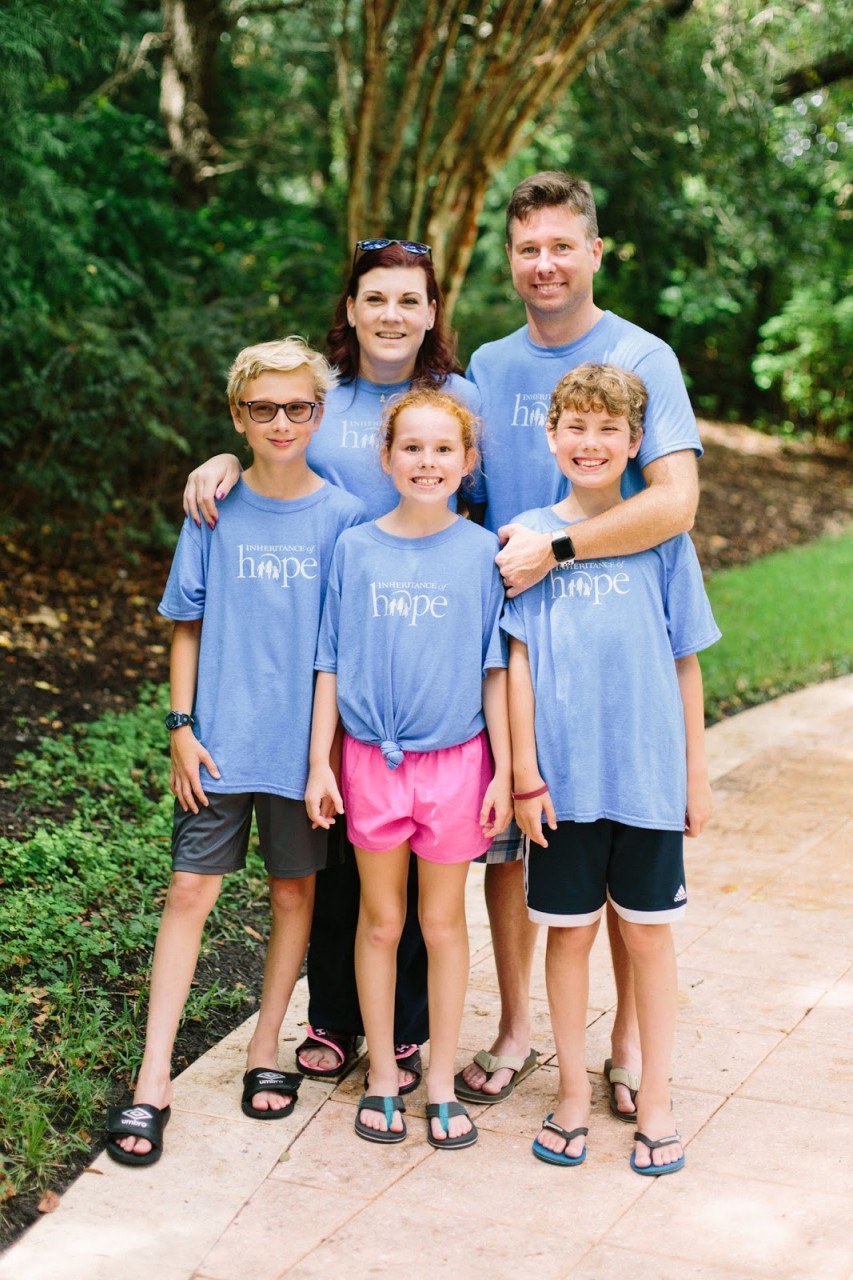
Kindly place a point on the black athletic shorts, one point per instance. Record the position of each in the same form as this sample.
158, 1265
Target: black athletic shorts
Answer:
640, 870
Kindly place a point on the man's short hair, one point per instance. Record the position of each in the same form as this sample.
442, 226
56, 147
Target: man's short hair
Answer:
551, 189
600, 388
283, 355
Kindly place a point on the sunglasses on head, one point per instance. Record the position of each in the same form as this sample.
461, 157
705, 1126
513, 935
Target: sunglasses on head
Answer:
411, 246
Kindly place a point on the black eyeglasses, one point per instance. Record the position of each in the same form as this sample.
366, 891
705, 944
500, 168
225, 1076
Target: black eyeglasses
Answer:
266, 410
411, 246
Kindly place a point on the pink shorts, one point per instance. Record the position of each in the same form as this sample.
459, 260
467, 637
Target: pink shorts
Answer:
432, 800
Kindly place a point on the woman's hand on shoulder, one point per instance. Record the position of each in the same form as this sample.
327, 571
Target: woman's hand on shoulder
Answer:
210, 483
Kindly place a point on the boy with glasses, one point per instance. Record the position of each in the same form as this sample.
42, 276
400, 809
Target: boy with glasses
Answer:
246, 598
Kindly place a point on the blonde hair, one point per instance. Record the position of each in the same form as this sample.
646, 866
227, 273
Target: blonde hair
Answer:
283, 355
431, 398
600, 388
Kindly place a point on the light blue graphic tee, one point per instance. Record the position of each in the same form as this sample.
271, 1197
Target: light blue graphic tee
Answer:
345, 450
515, 378
258, 580
602, 638
411, 625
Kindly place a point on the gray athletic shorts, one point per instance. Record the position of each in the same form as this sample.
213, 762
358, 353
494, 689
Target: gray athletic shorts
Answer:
508, 847
214, 841
640, 870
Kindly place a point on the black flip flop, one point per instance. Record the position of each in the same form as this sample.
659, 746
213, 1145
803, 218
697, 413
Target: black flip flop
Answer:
378, 1102
140, 1120
263, 1080
442, 1112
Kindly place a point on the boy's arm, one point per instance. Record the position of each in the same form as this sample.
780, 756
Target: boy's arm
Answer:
525, 765
322, 796
665, 508
213, 479
498, 798
699, 801
187, 752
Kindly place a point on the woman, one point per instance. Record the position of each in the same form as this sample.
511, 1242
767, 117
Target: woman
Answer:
387, 336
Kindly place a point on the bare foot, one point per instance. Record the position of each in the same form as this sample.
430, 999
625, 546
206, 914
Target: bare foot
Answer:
656, 1123
457, 1127
482, 1081
155, 1089
265, 1058
384, 1087
319, 1059
571, 1113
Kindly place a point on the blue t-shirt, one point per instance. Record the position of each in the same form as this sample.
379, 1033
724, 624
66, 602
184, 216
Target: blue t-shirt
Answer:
515, 378
258, 580
410, 626
345, 449
602, 636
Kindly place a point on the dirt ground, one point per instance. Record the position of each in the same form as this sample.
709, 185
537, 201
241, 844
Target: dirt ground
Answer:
79, 630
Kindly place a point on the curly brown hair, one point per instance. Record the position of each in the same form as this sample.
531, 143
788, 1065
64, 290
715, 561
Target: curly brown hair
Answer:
597, 387
436, 359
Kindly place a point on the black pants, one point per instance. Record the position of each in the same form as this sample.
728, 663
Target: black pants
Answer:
332, 993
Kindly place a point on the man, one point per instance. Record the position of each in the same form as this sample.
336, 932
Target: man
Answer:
554, 253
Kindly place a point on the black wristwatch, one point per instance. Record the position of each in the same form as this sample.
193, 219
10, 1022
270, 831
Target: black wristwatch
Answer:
563, 548
177, 720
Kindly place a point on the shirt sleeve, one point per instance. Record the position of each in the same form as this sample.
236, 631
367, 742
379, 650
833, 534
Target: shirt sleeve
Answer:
327, 640
495, 647
184, 595
689, 619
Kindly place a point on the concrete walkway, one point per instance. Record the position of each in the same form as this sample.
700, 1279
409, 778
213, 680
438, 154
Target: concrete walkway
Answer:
762, 1076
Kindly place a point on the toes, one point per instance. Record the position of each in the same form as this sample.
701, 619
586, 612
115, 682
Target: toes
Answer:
497, 1081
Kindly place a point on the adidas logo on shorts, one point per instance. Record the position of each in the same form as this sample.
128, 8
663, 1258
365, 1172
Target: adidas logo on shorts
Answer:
681, 896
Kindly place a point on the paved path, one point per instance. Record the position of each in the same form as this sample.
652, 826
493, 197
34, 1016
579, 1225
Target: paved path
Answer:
763, 1094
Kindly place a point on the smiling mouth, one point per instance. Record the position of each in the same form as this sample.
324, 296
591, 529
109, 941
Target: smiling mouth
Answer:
589, 464
427, 482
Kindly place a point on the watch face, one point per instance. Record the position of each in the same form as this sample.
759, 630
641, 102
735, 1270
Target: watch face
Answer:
176, 719
563, 548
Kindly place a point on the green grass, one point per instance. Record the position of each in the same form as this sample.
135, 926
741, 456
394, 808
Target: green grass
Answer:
80, 900
787, 621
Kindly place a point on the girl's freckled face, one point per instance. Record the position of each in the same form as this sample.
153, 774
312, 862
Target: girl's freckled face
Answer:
427, 459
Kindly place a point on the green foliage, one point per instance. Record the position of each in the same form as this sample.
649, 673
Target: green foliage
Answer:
807, 352
716, 204
80, 904
121, 306
787, 621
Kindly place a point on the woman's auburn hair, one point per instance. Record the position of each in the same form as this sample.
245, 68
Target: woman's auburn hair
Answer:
435, 360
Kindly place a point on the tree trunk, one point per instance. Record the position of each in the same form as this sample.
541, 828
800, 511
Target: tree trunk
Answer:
188, 91
445, 95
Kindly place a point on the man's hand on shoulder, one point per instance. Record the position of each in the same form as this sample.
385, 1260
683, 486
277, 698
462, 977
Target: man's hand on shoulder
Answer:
525, 557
